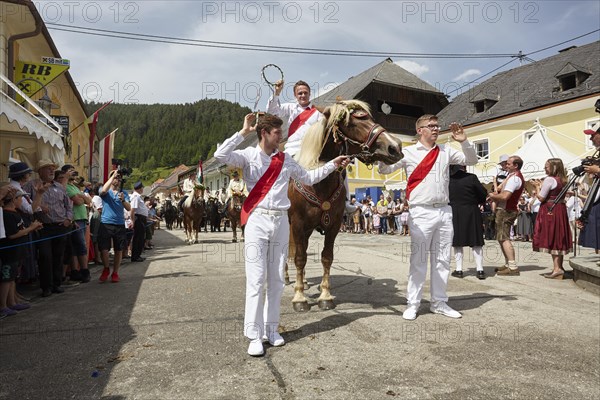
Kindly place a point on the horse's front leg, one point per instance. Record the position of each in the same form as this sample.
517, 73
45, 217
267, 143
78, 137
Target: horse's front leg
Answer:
299, 301
234, 230
325, 300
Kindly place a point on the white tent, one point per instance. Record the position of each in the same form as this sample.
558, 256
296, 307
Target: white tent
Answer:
538, 149
535, 152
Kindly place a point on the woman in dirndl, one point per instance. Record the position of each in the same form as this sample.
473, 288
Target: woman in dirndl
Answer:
552, 232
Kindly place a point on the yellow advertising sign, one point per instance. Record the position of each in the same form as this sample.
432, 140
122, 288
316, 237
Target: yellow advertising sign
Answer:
31, 77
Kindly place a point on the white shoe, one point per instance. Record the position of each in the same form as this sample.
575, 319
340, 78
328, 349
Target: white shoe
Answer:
442, 308
410, 313
256, 348
275, 339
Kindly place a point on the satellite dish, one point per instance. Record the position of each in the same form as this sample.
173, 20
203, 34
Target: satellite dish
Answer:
385, 107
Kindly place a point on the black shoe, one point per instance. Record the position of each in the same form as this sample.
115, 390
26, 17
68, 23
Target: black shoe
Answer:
85, 275
139, 259
320, 230
457, 274
46, 293
58, 289
480, 275
75, 275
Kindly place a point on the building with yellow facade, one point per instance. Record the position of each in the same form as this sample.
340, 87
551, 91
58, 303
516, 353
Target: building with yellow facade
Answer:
41, 111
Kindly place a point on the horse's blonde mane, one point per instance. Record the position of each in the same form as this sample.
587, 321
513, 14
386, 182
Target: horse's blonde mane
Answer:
312, 143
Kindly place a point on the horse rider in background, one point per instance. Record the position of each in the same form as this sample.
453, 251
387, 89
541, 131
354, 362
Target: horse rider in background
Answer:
236, 187
188, 189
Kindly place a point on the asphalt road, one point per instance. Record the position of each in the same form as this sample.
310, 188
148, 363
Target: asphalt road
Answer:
172, 329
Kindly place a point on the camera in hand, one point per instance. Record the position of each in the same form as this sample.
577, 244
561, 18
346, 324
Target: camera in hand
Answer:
122, 169
586, 162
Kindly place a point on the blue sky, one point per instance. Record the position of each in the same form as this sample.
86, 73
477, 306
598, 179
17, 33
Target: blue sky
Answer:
143, 72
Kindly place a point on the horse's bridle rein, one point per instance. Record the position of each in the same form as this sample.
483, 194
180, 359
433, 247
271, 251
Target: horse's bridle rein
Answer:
365, 155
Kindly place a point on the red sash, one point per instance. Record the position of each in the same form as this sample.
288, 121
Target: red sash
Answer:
262, 187
422, 170
300, 120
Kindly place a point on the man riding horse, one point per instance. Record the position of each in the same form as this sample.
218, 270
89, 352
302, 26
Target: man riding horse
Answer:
188, 189
236, 187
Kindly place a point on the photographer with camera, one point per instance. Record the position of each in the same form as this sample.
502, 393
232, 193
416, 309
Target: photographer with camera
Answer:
112, 223
590, 231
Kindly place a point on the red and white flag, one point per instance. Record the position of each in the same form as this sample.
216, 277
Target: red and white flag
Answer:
90, 127
107, 146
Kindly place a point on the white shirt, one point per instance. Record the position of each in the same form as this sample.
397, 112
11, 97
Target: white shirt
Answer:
236, 186
434, 188
574, 206
288, 113
138, 204
547, 185
26, 203
255, 162
511, 184
535, 207
188, 186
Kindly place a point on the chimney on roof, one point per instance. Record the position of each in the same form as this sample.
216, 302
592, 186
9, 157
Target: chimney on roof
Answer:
567, 49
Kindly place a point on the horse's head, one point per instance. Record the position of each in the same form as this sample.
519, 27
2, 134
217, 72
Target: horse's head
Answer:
350, 127
237, 201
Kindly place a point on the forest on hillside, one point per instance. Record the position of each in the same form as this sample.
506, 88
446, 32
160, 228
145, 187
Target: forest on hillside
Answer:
167, 135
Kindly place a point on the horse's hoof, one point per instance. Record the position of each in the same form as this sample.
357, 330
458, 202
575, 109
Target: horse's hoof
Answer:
234, 240
326, 305
301, 306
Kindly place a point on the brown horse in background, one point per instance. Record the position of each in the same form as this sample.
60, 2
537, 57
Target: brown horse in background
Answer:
347, 129
233, 212
193, 211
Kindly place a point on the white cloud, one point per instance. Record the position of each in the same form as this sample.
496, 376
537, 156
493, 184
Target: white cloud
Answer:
467, 75
413, 67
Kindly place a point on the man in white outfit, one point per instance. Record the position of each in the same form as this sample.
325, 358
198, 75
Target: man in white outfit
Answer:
236, 186
267, 173
430, 222
188, 188
299, 117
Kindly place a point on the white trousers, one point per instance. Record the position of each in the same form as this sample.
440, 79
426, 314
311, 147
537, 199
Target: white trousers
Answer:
265, 253
431, 234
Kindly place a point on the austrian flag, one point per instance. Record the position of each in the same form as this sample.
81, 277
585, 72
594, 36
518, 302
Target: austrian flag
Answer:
107, 147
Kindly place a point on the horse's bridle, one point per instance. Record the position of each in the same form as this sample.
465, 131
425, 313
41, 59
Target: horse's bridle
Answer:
365, 154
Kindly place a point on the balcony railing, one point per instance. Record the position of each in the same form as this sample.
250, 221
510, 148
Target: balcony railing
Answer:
6, 97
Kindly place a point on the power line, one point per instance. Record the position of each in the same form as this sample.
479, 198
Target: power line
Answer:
521, 56
259, 47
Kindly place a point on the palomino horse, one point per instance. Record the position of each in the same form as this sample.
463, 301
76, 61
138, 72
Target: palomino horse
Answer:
193, 211
347, 129
233, 211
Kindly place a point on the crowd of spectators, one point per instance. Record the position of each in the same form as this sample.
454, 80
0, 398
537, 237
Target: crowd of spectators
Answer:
386, 217
53, 227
